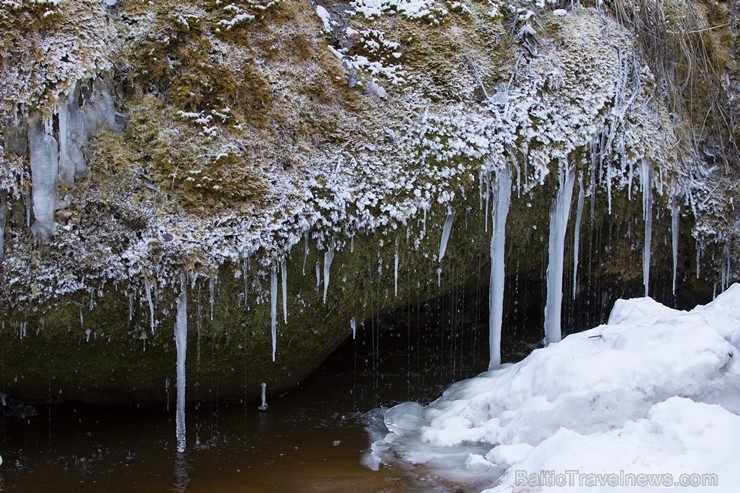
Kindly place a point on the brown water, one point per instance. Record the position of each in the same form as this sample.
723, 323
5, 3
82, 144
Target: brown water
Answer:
311, 439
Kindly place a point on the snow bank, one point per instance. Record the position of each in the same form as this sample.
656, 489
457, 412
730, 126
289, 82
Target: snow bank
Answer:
654, 392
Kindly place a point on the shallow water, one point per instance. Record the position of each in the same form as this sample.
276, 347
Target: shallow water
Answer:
311, 439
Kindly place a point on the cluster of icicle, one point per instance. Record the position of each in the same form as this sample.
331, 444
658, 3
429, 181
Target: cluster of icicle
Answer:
500, 189
58, 156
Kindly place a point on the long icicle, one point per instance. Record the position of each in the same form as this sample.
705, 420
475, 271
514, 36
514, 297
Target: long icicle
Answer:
395, 271
181, 345
647, 209
273, 309
245, 275
150, 301
446, 230
556, 249
577, 233
284, 282
497, 280
328, 258
675, 216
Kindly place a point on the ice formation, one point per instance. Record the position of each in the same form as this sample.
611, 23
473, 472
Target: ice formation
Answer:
3, 215
675, 217
395, 270
646, 179
150, 302
245, 277
181, 344
44, 157
328, 258
577, 233
263, 395
497, 281
653, 390
273, 309
446, 230
556, 253
284, 286
72, 138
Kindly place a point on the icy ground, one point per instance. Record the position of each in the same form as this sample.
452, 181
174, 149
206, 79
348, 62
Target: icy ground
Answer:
647, 402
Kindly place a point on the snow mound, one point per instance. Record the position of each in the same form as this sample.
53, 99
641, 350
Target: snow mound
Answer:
654, 392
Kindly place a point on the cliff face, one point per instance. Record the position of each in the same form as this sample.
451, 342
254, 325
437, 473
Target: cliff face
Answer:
235, 142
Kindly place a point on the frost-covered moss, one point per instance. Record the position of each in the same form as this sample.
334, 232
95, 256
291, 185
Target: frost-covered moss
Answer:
252, 125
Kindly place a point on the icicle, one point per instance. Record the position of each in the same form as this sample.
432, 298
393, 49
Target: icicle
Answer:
577, 233
328, 257
556, 250
305, 253
263, 406
245, 277
212, 293
284, 279
488, 201
130, 306
181, 344
150, 301
395, 271
425, 208
3, 214
446, 229
609, 187
27, 203
352, 244
498, 240
675, 215
44, 157
72, 138
647, 208
353, 326
481, 188
273, 309
318, 275
725, 268
698, 259
439, 277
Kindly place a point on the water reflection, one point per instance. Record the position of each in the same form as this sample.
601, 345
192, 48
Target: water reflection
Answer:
181, 473
311, 440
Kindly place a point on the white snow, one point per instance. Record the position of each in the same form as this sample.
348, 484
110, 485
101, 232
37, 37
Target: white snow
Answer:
654, 391
325, 18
